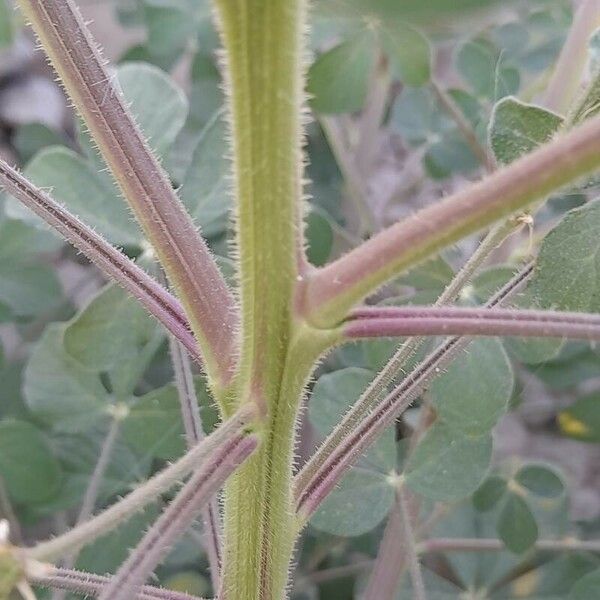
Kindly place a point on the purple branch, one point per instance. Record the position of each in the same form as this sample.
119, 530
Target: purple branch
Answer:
239, 424
360, 435
390, 563
331, 291
155, 299
194, 433
180, 248
178, 516
389, 321
91, 584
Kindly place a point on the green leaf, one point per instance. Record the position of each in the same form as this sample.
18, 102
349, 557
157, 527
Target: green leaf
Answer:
357, 505
489, 493
566, 275
7, 32
31, 138
154, 424
28, 467
187, 582
59, 390
517, 128
81, 183
159, 105
75, 182
21, 243
319, 237
29, 290
107, 553
447, 465
169, 29
517, 527
206, 186
78, 455
480, 64
366, 493
450, 155
541, 480
333, 395
110, 334
474, 391
338, 79
581, 420
587, 587
409, 53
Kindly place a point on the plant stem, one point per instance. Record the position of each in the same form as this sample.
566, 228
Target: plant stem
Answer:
118, 267
430, 321
91, 584
178, 516
388, 566
416, 575
264, 48
492, 545
357, 434
376, 389
194, 433
116, 514
332, 290
564, 85
180, 248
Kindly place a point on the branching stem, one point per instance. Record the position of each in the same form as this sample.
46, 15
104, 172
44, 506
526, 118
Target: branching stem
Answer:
91, 584
181, 250
116, 514
178, 516
194, 434
431, 321
356, 434
332, 290
118, 267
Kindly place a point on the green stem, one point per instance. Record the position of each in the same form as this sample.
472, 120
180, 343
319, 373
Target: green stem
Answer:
263, 42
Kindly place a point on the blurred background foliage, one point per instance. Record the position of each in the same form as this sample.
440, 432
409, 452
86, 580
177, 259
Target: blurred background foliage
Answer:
409, 100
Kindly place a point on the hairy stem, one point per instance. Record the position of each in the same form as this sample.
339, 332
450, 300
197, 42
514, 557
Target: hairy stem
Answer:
356, 434
91, 584
178, 516
564, 85
332, 290
118, 267
263, 41
377, 388
180, 248
430, 321
194, 433
113, 516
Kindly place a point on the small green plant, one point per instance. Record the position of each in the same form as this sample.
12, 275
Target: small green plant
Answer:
260, 334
